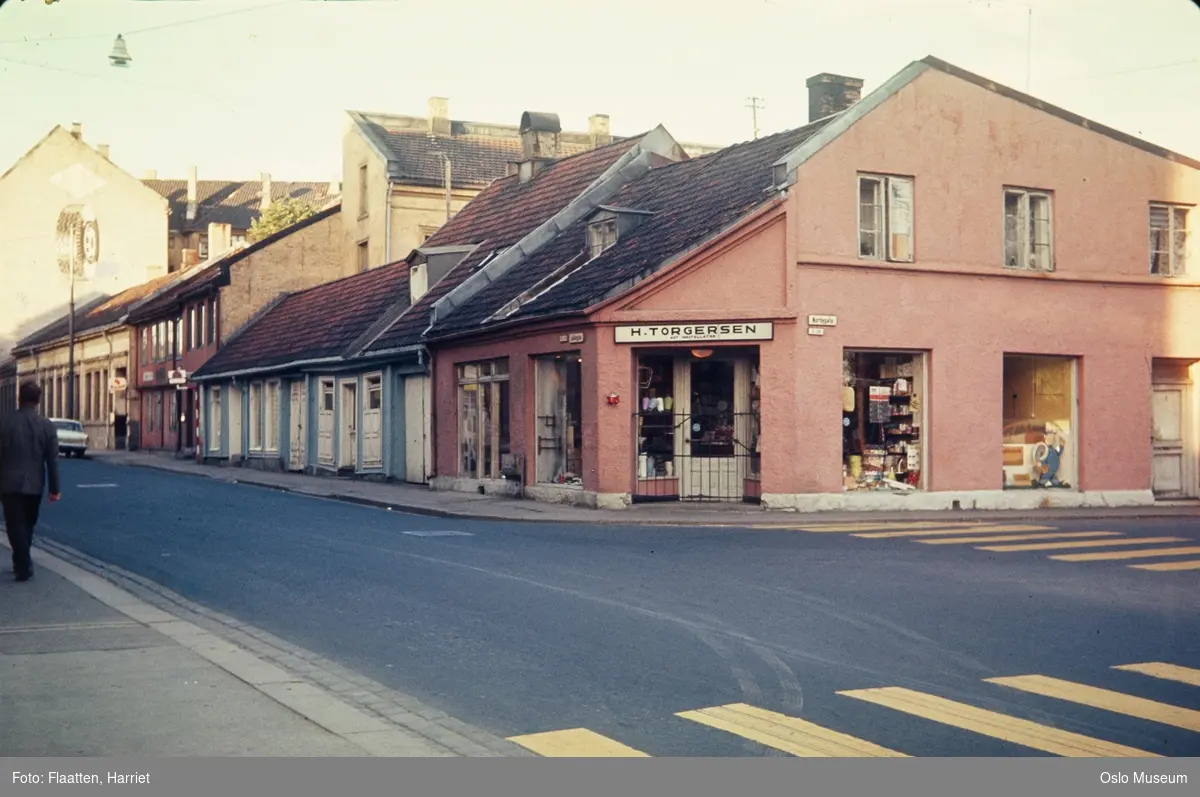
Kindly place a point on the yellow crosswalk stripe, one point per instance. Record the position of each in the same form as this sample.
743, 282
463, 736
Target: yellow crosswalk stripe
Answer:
1018, 537
1111, 555
961, 529
575, 743
997, 726
1191, 564
1051, 546
1168, 672
1116, 702
841, 528
788, 734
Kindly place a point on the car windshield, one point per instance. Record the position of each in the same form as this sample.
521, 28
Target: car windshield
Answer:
70, 426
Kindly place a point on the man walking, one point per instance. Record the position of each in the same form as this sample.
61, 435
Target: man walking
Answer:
28, 456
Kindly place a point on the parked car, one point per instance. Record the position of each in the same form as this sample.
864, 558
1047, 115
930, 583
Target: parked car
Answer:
71, 437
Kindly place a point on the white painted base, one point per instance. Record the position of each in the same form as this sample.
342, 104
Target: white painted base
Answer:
561, 494
967, 499
457, 484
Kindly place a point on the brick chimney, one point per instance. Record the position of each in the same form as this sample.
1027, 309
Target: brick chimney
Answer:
598, 130
539, 142
188, 258
829, 94
220, 239
77, 131
265, 202
103, 150
193, 193
439, 116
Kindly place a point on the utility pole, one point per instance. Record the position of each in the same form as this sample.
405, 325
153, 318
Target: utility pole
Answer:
1028, 35
755, 106
71, 347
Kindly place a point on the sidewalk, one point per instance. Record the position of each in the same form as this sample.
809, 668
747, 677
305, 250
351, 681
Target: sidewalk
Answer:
88, 669
421, 500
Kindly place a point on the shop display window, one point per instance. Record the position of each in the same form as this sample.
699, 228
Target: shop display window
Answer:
559, 419
883, 423
656, 427
1039, 401
483, 410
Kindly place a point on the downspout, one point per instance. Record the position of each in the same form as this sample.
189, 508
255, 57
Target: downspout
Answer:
387, 225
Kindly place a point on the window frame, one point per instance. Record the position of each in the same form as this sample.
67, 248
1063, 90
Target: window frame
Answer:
1174, 269
363, 250
254, 432
889, 209
1026, 241
270, 416
363, 191
490, 378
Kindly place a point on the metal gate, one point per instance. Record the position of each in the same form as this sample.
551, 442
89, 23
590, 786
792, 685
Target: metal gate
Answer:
706, 457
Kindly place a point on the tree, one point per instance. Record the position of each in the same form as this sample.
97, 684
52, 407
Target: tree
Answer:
280, 215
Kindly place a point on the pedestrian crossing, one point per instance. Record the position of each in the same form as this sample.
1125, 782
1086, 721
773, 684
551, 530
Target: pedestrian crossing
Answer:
1182, 553
802, 738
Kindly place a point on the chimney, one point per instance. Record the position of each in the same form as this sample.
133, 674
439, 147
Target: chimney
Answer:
77, 131
266, 192
598, 130
829, 94
439, 116
335, 188
188, 258
539, 142
193, 192
220, 239
103, 150
150, 174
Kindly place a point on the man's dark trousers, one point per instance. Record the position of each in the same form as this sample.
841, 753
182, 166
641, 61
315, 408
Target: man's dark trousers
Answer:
20, 516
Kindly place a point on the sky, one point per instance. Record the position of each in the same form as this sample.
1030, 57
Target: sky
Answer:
238, 87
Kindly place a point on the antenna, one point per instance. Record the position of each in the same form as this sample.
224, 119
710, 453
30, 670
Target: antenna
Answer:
755, 105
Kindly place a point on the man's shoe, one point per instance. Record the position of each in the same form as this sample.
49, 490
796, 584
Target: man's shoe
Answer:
25, 576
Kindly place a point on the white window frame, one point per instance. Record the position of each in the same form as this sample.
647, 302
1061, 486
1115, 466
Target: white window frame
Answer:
896, 218
255, 402
270, 416
471, 377
214, 419
601, 235
1176, 253
1026, 260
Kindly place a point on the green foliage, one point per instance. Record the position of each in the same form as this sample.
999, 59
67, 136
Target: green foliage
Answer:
280, 215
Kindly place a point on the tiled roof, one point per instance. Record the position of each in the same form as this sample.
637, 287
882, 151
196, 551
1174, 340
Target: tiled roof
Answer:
312, 324
690, 200
498, 217
231, 202
99, 313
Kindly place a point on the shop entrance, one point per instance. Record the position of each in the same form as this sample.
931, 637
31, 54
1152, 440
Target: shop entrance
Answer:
697, 426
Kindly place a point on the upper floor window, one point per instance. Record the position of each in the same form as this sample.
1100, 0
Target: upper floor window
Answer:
238, 239
601, 235
364, 256
885, 218
203, 247
362, 190
1168, 240
1028, 233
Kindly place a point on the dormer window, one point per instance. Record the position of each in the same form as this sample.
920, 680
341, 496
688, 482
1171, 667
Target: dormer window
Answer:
601, 235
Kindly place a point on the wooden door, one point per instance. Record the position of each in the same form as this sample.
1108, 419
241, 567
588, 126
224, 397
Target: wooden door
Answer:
1171, 466
325, 424
298, 420
348, 448
372, 425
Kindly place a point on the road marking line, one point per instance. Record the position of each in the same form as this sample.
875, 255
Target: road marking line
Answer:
846, 527
1192, 564
1116, 702
887, 535
998, 726
789, 734
33, 629
1051, 546
575, 743
1018, 537
438, 533
1168, 672
1110, 555
90, 486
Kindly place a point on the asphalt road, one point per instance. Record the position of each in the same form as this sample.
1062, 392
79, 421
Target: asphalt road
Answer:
523, 629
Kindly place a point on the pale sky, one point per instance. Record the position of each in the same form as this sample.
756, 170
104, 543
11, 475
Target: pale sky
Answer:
261, 85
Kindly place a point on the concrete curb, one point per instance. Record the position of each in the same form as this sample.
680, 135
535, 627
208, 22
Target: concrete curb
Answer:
784, 520
379, 721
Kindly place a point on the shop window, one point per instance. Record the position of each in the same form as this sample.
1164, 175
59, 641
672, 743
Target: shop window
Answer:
885, 218
656, 424
1027, 230
711, 431
883, 421
1168, 240
559, 419
483, 408
1040, 449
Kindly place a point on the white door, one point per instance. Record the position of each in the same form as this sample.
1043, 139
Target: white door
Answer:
297, 451
348, 448
325, 424
214, 420
372, 425
235, 409
416, 428
1171, 470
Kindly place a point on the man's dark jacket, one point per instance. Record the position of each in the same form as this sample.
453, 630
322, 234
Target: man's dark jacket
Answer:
28, 452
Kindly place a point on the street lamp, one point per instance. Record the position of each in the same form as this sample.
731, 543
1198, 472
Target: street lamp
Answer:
120, 53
